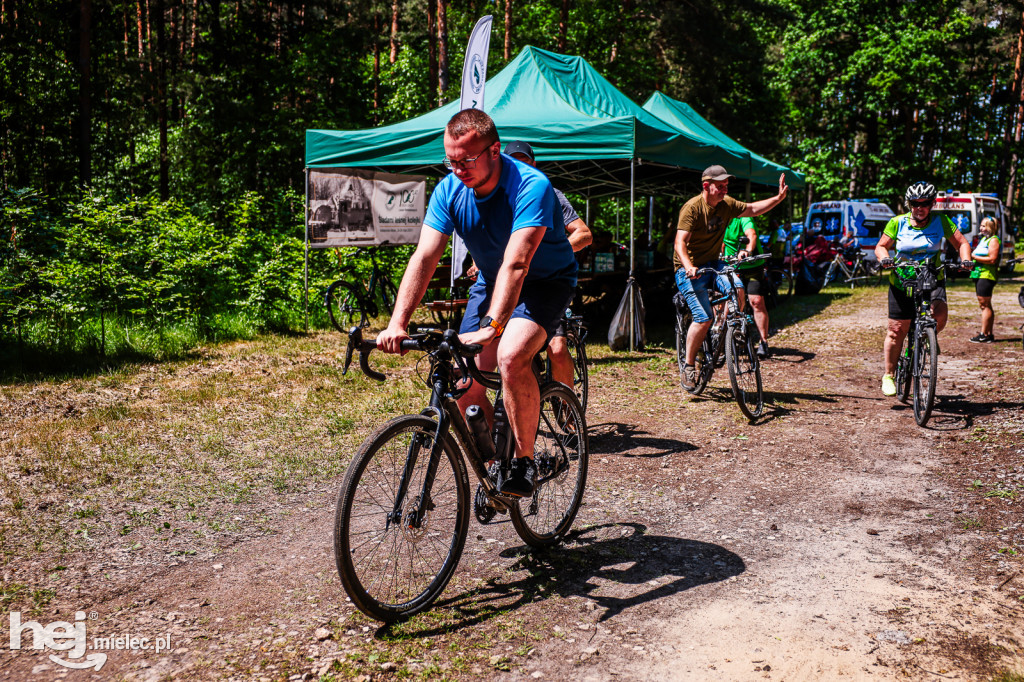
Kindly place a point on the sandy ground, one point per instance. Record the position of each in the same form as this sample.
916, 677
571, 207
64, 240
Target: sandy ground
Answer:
828, 541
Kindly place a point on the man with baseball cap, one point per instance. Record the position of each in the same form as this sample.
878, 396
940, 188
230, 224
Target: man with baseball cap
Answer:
699, 234
580, 237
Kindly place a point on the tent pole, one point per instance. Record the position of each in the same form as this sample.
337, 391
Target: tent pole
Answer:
650, 220
305, 264
632, 294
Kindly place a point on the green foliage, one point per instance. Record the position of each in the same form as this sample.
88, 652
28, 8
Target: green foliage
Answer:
147, 268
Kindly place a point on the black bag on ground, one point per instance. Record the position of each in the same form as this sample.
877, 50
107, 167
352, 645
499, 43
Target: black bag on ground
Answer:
618, 331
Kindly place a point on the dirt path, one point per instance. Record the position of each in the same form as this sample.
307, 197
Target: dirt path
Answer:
835, 539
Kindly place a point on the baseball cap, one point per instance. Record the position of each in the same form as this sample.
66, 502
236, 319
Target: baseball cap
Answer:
519, 147
713, 174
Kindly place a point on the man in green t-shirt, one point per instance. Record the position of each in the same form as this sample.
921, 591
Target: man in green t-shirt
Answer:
699, 234
742, 235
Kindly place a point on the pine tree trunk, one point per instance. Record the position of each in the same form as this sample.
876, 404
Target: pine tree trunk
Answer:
84, 87
1017, 115
508, 30
432, 52
161, 98
442, 48
563, 26
394, 31
376, 68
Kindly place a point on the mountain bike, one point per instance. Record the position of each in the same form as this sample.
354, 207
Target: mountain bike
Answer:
918, 364
350, 303
575, 335
732, 339
403, 510
850, 265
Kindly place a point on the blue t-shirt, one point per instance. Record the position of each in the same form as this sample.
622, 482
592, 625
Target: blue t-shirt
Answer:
523, 198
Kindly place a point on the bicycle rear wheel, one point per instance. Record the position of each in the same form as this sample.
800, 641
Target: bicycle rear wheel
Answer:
780, 287
926, 357
390, 565
562, 457
387, 294
744, 373
344, 306
580, 373
703, 362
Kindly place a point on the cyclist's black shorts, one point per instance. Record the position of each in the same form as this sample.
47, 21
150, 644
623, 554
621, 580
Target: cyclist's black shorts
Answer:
984, 287
560, 329
901, 304
543, 302
754, 280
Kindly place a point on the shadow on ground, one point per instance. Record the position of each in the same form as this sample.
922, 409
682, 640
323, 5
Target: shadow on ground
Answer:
615, 438
614, 557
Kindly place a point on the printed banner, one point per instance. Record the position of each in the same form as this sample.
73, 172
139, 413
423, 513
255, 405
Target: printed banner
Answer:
474, 78
349, 207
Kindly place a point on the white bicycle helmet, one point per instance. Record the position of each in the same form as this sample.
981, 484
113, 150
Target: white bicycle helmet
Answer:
920, 191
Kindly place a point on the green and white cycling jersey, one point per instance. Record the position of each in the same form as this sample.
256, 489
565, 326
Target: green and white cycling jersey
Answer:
983, 249
918, 243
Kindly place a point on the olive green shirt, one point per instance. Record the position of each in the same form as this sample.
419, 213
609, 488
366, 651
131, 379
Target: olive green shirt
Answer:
706, 226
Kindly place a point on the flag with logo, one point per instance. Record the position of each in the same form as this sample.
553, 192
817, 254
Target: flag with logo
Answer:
474, 77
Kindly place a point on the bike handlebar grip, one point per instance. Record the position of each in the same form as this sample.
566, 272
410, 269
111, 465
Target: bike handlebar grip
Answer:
364, 361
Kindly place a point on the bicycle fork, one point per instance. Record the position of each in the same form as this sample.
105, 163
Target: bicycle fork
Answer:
423, 503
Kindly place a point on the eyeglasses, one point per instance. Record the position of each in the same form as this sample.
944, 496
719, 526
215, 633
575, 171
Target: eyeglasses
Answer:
921, 204
465, 164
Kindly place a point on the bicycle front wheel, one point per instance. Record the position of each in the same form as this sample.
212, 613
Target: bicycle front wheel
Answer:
926, 357
562, 456
343, 306
744, 373
395, 552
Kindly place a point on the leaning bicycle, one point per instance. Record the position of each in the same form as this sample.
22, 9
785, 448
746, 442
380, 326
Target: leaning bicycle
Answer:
731, 340
851, 266
350, 303
403, 510
918, 363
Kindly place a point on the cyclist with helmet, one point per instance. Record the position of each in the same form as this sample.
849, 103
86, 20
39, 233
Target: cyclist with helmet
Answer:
917, 236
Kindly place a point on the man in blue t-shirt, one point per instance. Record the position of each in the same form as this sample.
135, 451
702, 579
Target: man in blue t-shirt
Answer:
508, 216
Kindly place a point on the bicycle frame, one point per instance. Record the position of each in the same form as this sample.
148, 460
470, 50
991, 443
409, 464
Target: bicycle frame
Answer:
443, 407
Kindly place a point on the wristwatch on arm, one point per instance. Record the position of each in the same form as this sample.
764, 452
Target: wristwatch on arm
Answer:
488, 321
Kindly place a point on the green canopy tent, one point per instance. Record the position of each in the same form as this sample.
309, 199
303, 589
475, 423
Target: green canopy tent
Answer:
755, 167
588, 137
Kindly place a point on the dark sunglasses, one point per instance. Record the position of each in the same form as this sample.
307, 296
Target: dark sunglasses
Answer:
921, 204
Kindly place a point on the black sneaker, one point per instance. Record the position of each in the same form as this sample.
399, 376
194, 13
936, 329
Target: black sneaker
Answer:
689, 377
983, 338
762, 350
520, 479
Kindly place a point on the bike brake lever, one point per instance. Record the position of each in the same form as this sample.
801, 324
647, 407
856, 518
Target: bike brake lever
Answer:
355, 338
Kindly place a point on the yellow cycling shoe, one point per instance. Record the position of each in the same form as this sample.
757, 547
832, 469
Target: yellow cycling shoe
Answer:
888, 385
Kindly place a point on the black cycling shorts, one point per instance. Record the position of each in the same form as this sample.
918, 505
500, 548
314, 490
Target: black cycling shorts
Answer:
754, 280
984, 287
901, 304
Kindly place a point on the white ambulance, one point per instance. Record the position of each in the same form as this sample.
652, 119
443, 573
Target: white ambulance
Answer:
966, 210
848, 219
